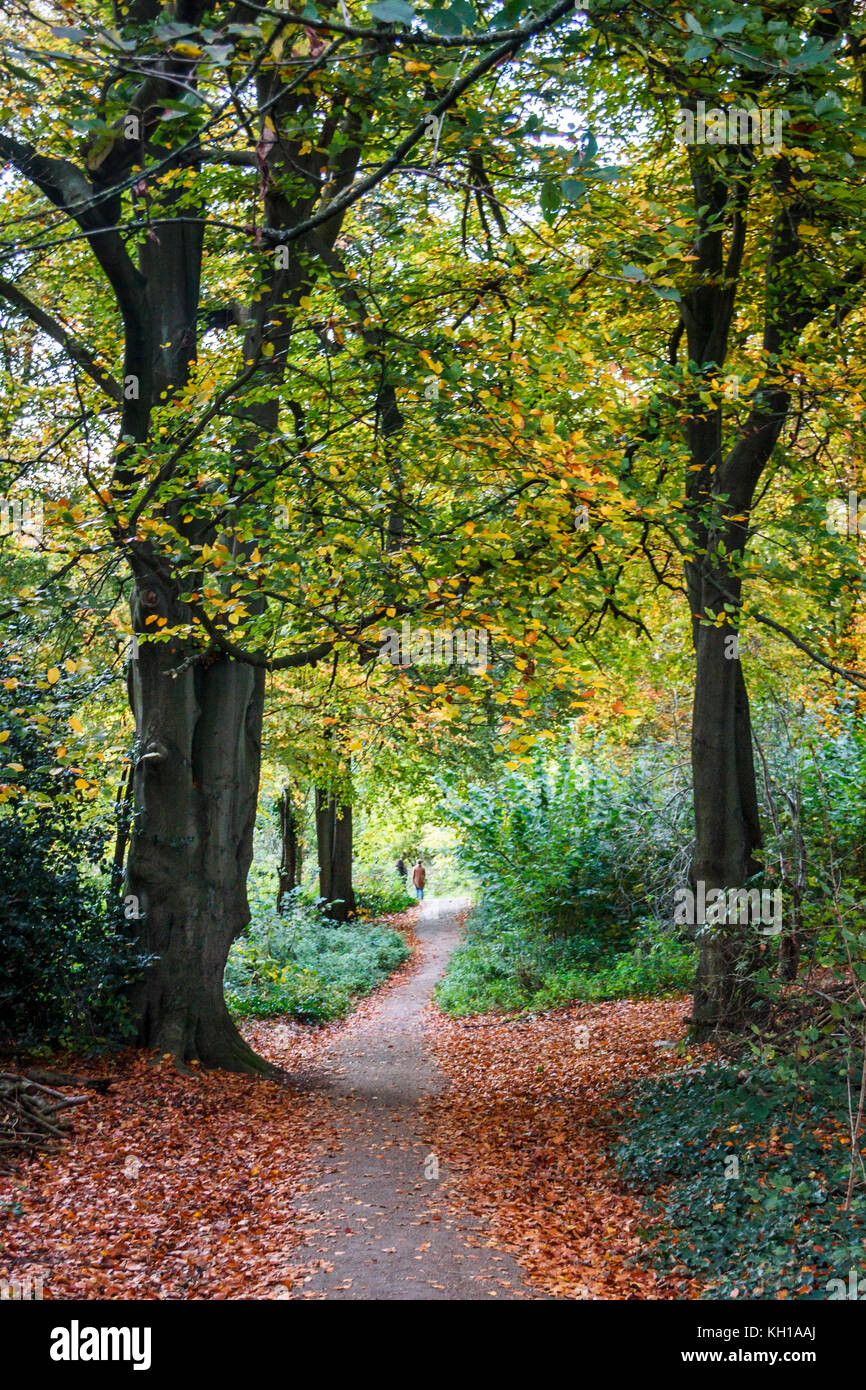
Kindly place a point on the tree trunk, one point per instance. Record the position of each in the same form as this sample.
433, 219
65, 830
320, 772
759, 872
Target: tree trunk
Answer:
727, 829
291, 849
334, 842
123, 815
198, 722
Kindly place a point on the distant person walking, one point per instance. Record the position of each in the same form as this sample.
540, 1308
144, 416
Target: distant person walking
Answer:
419, 878
402, 870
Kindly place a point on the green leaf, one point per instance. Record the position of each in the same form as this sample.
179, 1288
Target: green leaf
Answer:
453, 20
392, 12
572, 190
697, 50
735, 25
60, 32
551, 200
443, 22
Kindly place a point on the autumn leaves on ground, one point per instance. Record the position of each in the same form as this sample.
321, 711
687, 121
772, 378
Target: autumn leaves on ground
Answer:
218, 1186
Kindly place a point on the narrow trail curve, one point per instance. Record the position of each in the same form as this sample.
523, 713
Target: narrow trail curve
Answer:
377, 1220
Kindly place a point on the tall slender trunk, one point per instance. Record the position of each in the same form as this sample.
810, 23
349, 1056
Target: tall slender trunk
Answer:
291, 849
334, 842
199, 717
123, 816
727, 828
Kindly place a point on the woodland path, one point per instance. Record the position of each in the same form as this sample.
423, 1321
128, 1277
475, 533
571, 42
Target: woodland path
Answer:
374, 1215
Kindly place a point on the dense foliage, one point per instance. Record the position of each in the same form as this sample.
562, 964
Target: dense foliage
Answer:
573, 858
66, 952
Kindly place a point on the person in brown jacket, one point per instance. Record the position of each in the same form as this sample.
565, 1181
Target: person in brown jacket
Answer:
419, 878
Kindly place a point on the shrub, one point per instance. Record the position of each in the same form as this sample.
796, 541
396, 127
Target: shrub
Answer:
379, 892
306, 966
66, 959
570, 855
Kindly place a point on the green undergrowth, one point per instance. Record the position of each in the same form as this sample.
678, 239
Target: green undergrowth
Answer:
752, 1167
305, 967
500, 968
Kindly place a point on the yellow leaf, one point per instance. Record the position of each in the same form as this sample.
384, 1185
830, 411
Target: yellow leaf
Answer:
76, 724
81, 784
53, 675
4, 735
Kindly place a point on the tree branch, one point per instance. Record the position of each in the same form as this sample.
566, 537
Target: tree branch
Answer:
78, 353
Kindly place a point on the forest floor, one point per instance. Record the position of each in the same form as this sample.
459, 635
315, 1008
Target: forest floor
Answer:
406, 1156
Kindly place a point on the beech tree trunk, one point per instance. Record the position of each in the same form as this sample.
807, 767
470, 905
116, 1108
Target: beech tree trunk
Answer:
195, 789
334, 843
721, 484
727, 829
291, 852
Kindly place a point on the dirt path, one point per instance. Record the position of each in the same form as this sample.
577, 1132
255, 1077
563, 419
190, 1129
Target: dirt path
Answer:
376, 1218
